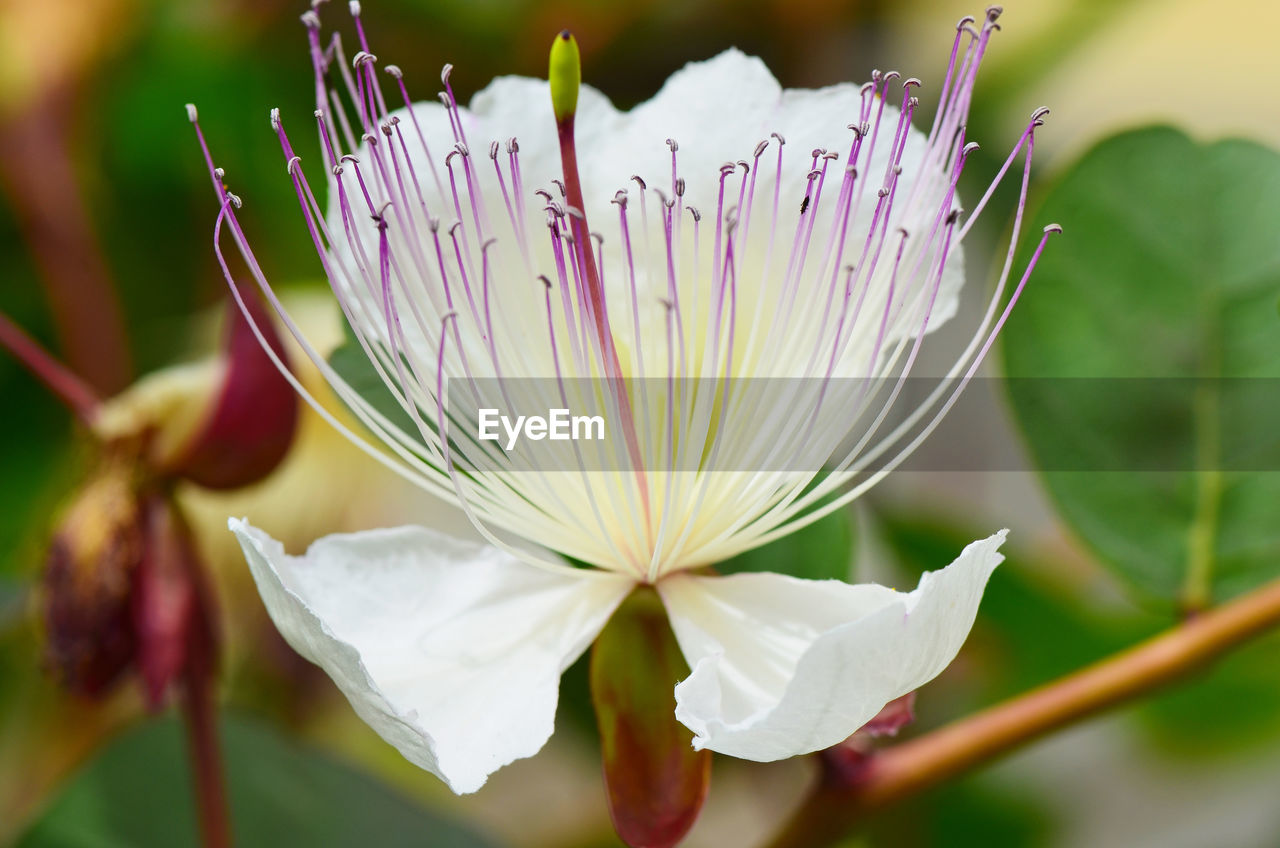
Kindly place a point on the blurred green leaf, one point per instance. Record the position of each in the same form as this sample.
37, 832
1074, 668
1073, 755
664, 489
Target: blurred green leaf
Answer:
137, 794
351, 363
13, 601
1036, 630
822, 550
1232, 710
1169, 269
976, 811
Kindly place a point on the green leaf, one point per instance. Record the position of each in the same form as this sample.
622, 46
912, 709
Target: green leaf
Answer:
1168, 273
137, 794
351, 363
977, 811
13, 602
822, 550
1232, 710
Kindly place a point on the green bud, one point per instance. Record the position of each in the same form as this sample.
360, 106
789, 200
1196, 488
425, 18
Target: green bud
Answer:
565, 75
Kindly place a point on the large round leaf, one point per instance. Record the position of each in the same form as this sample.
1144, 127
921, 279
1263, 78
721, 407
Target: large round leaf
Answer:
1144, 356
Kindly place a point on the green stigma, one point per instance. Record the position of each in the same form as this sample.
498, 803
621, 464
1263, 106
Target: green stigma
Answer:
565, 75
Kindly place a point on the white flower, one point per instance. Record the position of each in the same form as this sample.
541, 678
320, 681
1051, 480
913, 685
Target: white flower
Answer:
730, 235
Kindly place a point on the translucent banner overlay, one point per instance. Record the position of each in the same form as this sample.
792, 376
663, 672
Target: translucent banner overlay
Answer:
806, 425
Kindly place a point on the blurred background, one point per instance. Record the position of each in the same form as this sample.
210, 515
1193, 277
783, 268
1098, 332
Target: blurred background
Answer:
105, 256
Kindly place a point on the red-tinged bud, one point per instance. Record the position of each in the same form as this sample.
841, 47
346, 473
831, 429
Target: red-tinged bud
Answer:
250, 426
656, 781
894, 716
124, 588
844, 764
172, 616
88, 582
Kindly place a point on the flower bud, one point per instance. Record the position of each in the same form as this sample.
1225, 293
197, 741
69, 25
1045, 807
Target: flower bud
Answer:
88, 582
125, 588
843, 764
250, 426
223, 423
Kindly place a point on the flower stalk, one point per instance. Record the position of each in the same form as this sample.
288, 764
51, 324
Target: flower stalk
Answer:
200, 715
844, 799
65, 386
37, 172
564, 77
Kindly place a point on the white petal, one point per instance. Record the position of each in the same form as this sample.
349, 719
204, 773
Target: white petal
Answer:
783, 666
451, 651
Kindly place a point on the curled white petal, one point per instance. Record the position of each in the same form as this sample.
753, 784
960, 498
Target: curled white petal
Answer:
783, 666
450, 650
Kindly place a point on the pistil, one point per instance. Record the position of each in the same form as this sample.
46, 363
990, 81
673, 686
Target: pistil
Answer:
565, 77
